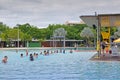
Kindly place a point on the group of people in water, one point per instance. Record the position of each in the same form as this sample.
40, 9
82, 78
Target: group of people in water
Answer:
45, 52
106, 49
35, 55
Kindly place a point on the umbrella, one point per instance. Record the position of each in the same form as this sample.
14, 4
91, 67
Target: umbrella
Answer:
117, 40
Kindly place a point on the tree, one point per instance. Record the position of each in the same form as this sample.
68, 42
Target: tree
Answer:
60, 32
87, 33
30, 30
11, 35
26, 37
117, 34
3, 28
73, 31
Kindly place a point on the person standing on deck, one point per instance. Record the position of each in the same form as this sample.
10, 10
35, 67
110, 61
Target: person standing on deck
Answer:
103, 45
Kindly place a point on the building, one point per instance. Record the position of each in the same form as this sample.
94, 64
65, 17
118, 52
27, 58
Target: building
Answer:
71, 23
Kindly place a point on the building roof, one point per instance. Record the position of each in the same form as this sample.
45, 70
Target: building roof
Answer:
105, 20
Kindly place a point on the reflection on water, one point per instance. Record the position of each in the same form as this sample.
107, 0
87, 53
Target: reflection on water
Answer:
57, 66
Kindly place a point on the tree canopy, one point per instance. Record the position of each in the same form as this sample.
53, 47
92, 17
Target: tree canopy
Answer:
28, 32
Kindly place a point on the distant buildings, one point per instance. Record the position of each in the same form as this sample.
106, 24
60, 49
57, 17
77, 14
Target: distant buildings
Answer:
71, 23
1, 22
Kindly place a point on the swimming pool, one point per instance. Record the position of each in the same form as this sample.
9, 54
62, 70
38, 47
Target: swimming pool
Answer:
57, 66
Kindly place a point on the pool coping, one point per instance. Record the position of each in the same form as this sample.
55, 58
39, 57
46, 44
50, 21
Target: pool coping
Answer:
106, 57
19, 48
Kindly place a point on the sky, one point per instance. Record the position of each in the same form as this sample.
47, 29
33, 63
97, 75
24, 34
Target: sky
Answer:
41, 13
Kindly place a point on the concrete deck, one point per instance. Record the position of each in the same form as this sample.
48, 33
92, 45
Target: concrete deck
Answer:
107, 57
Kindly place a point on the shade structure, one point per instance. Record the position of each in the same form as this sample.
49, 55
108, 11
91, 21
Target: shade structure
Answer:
117, 40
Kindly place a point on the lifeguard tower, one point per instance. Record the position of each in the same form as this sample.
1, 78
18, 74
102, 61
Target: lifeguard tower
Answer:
106, 21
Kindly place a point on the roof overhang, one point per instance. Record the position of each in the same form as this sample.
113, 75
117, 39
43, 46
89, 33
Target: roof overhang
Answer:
104, 20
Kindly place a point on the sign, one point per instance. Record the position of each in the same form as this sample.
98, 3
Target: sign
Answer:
117, 21
108, 20
105, 21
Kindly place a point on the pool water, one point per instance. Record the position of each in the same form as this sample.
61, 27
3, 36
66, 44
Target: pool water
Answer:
57, 66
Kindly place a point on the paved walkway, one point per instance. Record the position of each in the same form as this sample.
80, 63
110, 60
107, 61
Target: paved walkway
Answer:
106, 57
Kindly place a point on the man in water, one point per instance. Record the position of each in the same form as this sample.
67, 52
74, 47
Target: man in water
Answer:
4, 60
21, 55
31, 57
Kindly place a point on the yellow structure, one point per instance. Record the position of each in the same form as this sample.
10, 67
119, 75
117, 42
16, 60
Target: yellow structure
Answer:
102, 20
106, 38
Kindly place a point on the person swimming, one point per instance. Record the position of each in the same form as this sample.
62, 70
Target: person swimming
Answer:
64, 51
21, 55
31, 57
4, 60
71, 51
26, 52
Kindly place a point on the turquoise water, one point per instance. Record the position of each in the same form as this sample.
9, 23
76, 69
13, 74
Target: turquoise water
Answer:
57, 66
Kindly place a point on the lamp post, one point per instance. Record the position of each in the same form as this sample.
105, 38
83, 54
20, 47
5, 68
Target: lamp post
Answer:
18, 36
98, 34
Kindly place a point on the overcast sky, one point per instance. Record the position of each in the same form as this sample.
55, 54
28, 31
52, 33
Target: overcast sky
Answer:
41, 13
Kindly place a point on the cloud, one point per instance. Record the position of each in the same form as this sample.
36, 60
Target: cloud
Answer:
43, 12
